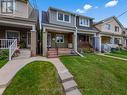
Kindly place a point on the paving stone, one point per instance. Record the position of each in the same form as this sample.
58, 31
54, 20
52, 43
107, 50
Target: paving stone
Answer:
74, 92
69, 85
65, 76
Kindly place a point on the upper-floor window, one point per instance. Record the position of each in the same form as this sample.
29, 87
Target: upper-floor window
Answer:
7, 6
63, 17
84, 22
116, 29
108, 26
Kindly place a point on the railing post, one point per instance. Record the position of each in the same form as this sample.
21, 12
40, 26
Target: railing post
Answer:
9, 53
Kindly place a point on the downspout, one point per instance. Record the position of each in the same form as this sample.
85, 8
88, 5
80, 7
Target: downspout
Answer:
75, 34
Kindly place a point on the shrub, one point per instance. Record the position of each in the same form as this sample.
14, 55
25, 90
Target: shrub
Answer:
4, 54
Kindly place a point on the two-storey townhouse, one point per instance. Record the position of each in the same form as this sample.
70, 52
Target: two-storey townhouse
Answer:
66, 32
18, 20
111, 32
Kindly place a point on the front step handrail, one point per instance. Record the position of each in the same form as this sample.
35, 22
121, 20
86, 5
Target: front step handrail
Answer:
12, 49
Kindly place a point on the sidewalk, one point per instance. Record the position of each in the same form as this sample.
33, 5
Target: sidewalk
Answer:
12, 67
113, 57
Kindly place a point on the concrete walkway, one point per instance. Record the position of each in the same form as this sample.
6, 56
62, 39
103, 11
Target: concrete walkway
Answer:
12, 67
112, 57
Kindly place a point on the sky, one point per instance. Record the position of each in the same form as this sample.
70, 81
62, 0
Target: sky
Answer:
98, 9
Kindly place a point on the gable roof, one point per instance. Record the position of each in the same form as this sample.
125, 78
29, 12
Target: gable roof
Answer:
52, 8
107, 19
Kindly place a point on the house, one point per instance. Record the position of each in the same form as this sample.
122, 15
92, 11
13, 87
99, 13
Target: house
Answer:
66, 32
111, 31
19, 21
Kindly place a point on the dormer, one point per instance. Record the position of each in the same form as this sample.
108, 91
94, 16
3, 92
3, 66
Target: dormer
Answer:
61, 17
16, 8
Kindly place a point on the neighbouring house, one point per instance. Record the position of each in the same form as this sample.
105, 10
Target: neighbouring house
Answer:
18, 25
111, 32
66, 32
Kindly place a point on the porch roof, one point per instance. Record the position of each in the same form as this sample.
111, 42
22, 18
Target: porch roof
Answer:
111, 34
57, 28
16, 21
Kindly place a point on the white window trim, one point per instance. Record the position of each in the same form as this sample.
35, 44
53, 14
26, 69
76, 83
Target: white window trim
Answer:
64, 17
14, 7
82, 24
12, 31
63, 38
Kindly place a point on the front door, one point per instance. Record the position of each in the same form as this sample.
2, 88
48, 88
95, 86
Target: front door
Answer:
49, 40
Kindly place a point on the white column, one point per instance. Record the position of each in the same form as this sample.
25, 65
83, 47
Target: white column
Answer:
33, 41
120, 41
75, 41
112, 40
44, 43
99, 47
95, 41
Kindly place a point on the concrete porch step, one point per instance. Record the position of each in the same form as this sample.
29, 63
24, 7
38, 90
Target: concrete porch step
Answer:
52, 49
24, 54
69, 85
52, 56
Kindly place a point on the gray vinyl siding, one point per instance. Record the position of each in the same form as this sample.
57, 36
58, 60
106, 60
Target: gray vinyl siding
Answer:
53, 19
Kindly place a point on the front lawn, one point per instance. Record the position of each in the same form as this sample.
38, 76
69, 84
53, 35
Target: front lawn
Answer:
98, 75
2, 63
122, 54
37, 78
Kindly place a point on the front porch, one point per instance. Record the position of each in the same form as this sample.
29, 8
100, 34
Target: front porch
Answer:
57, 43
107, 42
17, 33
85, 41
23, 35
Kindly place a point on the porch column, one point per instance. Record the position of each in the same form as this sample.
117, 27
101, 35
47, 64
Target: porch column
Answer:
94, 41
33, 41
75, 41
98, 44
112, 40
120, 41
44, 43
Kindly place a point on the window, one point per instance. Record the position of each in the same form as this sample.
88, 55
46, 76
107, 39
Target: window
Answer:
107, 26
84, 22
60, 16
116, 29
13, 35
59, 38
63, 17
7, 6
66, 18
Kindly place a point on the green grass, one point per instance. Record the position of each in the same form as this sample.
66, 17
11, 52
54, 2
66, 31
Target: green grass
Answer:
122, 54
2, 63
37, 78
98, 75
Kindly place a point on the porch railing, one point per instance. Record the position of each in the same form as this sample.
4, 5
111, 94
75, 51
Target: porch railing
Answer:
10, 44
